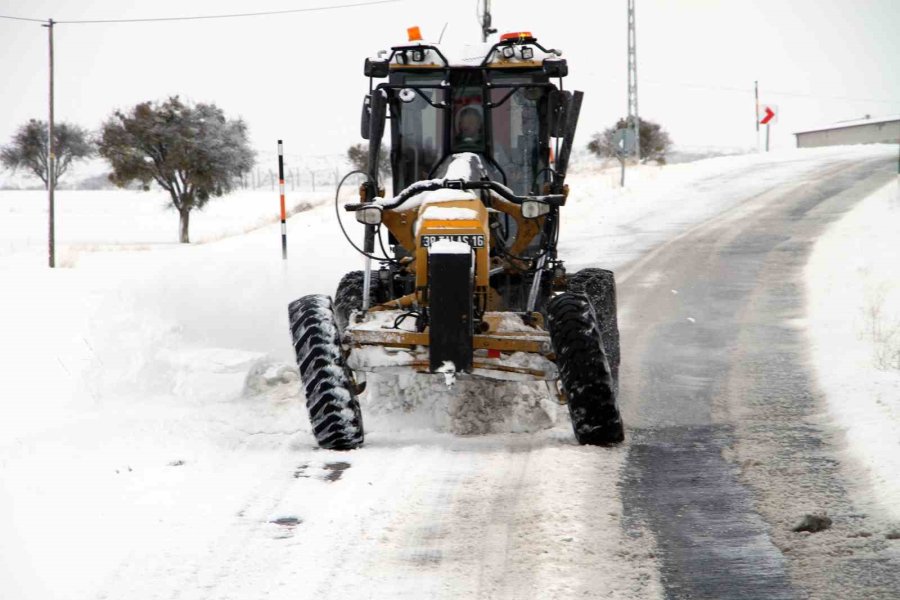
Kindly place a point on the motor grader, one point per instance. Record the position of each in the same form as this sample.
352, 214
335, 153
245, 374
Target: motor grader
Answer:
466, 281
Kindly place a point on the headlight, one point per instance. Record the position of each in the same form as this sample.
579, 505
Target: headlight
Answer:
532, 209
369, 215
418, 55
527, 52
508, 52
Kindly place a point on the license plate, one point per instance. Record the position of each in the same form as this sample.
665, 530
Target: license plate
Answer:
474, 240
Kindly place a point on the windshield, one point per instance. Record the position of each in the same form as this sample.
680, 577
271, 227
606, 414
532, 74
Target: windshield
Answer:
504, 122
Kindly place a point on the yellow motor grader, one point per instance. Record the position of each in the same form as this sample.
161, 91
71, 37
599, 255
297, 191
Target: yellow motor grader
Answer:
468, 282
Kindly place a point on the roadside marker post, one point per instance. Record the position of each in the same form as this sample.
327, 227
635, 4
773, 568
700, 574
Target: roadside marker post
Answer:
281, 191
770, 117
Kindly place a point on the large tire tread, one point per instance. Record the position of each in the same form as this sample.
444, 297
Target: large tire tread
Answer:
599, 287
349, 294
584, 370
333, 408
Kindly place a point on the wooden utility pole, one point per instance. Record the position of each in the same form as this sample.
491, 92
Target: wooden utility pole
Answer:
51, 160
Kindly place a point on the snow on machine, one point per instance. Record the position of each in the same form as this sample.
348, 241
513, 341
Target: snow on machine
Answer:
468, 282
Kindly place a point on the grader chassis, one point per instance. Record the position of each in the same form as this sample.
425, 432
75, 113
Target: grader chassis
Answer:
469, 284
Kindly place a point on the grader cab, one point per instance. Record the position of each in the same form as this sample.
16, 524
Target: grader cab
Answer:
466, 281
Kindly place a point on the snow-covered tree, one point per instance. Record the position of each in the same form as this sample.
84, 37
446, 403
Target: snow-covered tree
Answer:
28, 149
190, 150
655, 142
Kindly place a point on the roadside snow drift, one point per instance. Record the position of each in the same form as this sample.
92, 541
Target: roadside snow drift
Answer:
853, 283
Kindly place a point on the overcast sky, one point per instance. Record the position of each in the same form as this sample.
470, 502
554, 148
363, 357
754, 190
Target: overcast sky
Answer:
299, 77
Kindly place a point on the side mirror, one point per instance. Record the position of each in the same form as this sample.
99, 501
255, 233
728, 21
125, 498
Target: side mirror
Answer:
377, 114
376, 68
364, 119
559, 100
556, 67
573, 109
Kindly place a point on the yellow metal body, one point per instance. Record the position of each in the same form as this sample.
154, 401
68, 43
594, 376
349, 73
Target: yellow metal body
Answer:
453, 227
404, 221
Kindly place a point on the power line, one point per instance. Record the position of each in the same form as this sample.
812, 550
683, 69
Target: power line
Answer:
23, 19
208, 17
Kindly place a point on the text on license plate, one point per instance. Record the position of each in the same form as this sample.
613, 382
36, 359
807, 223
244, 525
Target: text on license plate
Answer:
474, 240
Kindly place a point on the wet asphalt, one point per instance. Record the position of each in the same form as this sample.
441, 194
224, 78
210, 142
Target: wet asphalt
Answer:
728, 448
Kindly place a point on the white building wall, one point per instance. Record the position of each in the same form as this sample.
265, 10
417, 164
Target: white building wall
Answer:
886, 132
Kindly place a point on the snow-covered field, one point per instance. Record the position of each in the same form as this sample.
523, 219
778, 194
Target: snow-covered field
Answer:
154, 444
853, 284
93, 220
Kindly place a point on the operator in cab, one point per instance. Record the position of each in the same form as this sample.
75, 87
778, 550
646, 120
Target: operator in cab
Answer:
469, 130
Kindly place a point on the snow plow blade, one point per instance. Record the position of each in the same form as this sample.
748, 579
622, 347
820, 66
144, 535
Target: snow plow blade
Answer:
509, 350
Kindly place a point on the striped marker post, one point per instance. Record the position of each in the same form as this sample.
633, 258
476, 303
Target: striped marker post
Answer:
281, 191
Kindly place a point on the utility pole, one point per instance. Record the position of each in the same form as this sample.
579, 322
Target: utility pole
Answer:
633, 115
486, 29
51, 159
756, 97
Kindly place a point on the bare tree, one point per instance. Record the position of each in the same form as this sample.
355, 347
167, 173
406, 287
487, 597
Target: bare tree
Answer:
191, 151
28, 149
358, 155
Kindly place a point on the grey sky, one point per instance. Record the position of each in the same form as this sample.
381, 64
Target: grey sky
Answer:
299, 77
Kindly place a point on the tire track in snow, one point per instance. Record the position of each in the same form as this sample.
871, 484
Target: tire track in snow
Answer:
508, 516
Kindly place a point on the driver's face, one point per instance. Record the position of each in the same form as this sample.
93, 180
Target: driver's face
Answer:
470, 124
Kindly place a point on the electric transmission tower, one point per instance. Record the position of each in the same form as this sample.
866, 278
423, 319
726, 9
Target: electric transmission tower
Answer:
633, 119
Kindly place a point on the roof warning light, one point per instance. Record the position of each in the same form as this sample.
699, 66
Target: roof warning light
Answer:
516, 35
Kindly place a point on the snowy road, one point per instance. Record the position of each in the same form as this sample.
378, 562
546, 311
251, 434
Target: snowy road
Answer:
728, 451
154, 445
434, 516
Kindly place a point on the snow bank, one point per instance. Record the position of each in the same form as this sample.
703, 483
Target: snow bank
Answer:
606, 225
853, 287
